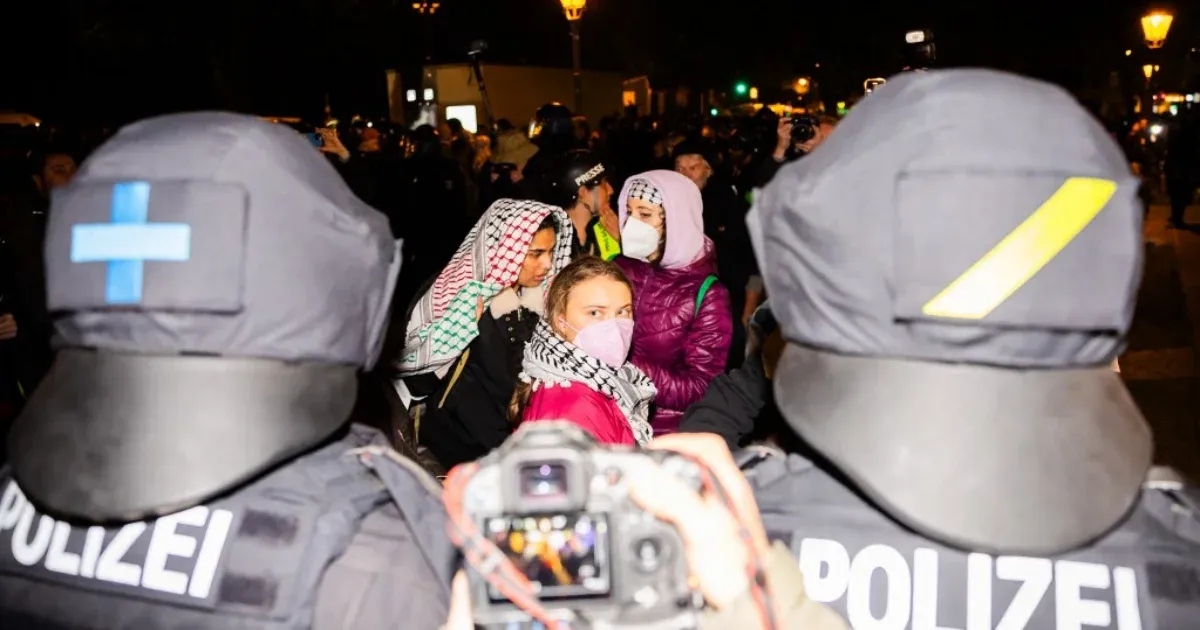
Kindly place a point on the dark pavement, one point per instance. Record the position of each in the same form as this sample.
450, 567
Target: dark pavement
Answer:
1159, 366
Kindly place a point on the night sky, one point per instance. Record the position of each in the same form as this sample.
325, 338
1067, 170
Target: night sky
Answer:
115, 60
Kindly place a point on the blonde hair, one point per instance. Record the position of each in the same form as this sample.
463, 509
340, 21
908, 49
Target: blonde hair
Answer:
580, 270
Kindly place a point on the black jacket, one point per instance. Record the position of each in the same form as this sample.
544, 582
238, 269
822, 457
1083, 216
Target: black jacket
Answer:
740, 405
466, 417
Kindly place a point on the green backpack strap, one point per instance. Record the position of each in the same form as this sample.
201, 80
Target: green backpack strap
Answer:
708, 282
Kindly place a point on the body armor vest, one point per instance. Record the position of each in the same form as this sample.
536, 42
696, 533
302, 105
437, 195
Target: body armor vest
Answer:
253, 559
1143, 575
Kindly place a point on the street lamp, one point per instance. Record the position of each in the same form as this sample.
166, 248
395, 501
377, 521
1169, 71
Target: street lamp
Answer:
923, 50
574, 10
1155, 26
427, 9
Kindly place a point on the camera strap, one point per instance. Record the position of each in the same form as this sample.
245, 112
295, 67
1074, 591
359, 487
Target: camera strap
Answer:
484, 556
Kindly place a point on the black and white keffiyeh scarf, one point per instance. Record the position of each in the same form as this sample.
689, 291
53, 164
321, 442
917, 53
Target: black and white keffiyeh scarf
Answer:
641, 189
550, 360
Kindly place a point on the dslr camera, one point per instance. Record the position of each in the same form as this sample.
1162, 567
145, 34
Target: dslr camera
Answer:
556, 504
804, 128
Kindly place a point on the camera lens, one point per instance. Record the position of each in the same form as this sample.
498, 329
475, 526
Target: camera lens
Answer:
802, 131
543, 480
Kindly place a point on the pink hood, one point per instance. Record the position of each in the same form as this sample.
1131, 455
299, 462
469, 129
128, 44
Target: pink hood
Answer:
684, 214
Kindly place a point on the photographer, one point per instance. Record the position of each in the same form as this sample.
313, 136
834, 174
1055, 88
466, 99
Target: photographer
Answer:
795, 137
710, 529
725, 225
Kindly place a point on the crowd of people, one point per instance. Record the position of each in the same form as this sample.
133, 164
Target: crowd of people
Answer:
903, 343
676, 232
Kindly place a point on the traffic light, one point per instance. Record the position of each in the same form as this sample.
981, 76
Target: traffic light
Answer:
713, 112
741, 88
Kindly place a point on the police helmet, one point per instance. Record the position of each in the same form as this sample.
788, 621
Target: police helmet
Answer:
552, 119
192, 367
953, 362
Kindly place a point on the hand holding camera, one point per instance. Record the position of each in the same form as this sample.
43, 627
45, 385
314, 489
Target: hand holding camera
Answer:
565, 533
331, 143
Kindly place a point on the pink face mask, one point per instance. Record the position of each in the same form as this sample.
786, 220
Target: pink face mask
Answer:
607, 341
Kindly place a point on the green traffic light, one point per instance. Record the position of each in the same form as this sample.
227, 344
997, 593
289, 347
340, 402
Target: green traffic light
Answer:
713, 112
741, 89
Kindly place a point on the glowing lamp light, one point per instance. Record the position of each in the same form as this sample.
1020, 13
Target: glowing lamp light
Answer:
425, 8
1148, 70
428, 94
574, 8
754, 94
1155, 26
1128, 52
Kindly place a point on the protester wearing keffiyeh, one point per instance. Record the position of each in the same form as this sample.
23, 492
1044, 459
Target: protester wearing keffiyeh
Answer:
489, 260
552, 361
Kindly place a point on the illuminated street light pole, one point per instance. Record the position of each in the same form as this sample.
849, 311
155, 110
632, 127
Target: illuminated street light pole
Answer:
574, 10
1155, 26
427, 9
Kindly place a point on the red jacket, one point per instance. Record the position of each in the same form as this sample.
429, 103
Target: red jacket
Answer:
583, 406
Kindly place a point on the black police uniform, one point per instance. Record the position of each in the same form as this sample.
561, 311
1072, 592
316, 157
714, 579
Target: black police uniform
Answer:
188, 461
877, 574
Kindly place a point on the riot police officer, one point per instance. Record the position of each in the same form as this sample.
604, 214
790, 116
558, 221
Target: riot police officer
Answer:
553, 131
187, 461
579, 184
952, 293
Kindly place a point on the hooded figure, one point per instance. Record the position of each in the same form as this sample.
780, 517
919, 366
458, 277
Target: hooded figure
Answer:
681, 313
218, 288
467, 334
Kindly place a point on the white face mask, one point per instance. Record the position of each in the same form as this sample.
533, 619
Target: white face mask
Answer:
638, 240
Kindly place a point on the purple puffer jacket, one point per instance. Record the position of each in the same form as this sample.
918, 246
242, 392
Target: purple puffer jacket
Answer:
681, 351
